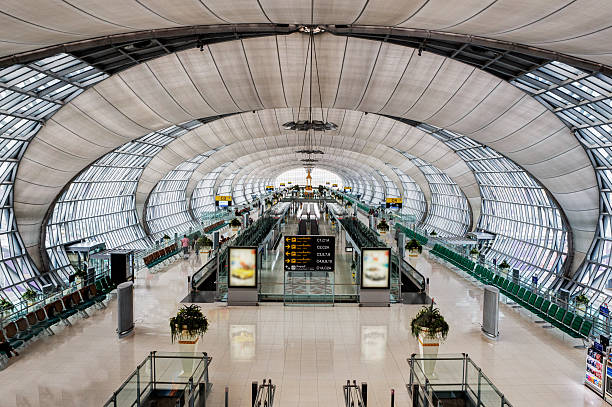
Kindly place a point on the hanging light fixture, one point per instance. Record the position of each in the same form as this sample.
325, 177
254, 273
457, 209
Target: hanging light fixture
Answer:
310, 124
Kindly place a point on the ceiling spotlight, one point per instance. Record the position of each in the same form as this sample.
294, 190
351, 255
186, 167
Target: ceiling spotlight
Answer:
306, 125
310, 151
308, 29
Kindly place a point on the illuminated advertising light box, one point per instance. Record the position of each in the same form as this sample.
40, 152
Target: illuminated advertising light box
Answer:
242, 267
223, 198
375, 267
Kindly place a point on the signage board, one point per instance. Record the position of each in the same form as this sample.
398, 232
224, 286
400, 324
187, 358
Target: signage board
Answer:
269, 187
604, 310
347, 188
334, 185
223, 198
326, 182
375, 267
289, 182
242, 266
394, 200
282, 184
309, 253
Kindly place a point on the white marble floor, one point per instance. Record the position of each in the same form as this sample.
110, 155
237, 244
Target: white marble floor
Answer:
309, 352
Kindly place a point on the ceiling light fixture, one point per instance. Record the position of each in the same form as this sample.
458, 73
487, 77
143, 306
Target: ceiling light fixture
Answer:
311, 151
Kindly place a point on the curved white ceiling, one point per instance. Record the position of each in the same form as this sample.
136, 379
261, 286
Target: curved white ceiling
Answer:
576, 27
264, 73
371, 134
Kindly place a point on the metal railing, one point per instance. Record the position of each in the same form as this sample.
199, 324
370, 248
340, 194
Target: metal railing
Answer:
434, 378
185, 374
355, 395
262, 395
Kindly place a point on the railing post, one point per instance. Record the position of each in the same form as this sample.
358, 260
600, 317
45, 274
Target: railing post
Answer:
191, 393
479, 380
364, 393
392, 398
137, 387
226, 396
253, 392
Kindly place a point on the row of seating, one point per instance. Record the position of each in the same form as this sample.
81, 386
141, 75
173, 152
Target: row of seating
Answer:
217, 225
568, 322
25, 329
160, 255
456, 259
411, 234
362, 235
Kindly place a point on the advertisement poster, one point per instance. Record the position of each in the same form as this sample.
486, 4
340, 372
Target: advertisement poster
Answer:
375, 268
242, 266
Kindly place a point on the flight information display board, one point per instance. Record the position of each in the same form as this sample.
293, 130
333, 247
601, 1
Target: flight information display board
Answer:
309, 253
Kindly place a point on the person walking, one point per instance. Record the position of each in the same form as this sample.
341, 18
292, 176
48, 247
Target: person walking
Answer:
8, 349
185, 244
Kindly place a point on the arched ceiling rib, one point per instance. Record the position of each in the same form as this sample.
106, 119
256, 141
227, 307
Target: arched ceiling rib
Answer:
579, 28
267, 72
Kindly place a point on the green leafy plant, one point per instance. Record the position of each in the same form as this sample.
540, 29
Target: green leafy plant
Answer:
204, 242
6, 305
235, 223
582, 299
29, 295
504, 264
189, 320
431, 322
413, 244
81, 274
474, 251
166, 237
383, 226
433, 233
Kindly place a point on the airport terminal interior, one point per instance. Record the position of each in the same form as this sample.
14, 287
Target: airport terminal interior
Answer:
274, 203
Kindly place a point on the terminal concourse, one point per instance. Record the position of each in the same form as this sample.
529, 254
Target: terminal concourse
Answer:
305, 203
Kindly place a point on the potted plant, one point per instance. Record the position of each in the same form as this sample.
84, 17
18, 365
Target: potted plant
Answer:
166, 238
5, 307
80, 276
582, 301
414, 248
383, 227
430, 329
204, 244
474, 253
235, 224
29, 295
433, 233
186, 327
504, 266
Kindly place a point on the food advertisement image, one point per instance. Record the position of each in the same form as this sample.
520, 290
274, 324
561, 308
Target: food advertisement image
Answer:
242, 267
375, 268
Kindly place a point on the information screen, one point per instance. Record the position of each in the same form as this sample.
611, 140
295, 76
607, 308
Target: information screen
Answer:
375, 267
309, 253
242, 267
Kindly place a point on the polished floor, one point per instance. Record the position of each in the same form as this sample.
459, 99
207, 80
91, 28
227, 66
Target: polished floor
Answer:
309, 352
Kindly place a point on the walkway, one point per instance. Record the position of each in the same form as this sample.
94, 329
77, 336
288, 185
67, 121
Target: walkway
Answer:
309, 352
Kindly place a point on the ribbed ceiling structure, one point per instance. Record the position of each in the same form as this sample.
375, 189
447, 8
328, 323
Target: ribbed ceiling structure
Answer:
157, 106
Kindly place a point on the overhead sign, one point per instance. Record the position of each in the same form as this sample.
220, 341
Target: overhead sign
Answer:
347, 188
223, 198
289, 182
309, 253
269, 187
282, 184
394, 200
327, 183
334, 185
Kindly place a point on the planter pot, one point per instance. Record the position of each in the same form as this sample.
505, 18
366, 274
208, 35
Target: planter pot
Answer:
474, 257
235, 228
428, 348
382, 232
504, 271
187, 345
205, 250
413, 253
581, 309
